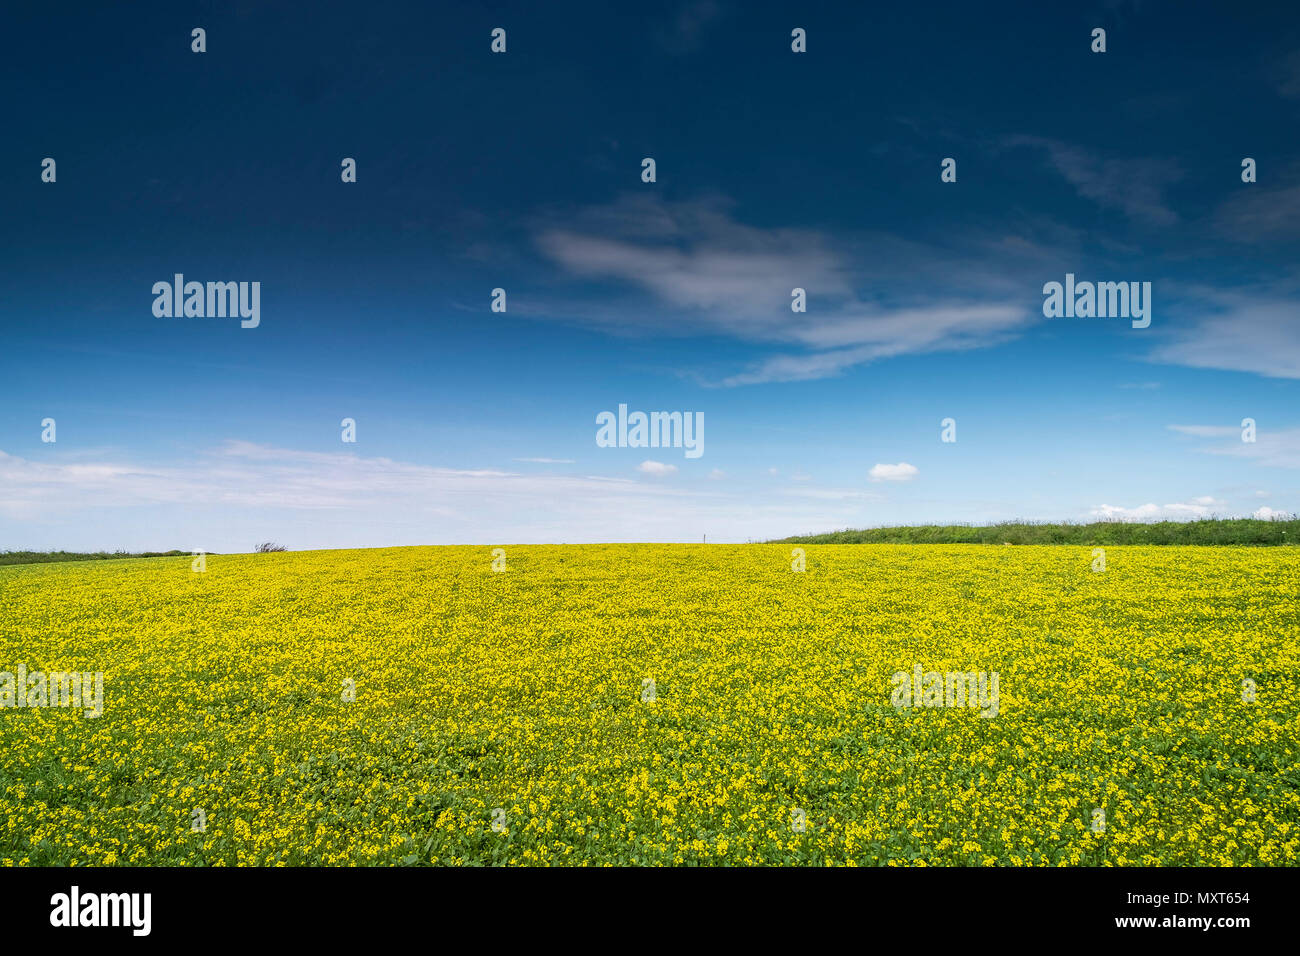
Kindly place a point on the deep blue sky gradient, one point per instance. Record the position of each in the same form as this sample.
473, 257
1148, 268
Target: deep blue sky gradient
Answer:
225, 166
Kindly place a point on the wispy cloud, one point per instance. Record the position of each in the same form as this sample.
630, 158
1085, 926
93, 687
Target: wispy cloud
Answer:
1288, 73
885, 334
1133, 186
1260, 213
1207, 431
242, 474
833, 494
1245, 331
685, 29
1276, 448
694, 256
249, 491
716, 275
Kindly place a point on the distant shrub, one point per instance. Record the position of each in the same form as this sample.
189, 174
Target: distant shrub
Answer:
43, 557
1283, 529
266, 547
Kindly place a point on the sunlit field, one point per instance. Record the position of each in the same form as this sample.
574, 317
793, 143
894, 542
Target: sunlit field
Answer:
657, 704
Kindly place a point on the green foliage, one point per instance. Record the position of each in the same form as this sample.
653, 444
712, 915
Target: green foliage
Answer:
43, 557
1210, 531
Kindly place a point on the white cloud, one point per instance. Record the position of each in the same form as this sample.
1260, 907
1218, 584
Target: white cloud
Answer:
243, 474
656, 468
693, 255
228, 498
1254, 332
720, 276
1268, 513
1117, 511
881, 333
899, 472
717, 474
548, 461
1199, 507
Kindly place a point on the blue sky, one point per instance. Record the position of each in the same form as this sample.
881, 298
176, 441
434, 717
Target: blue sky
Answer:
522, 171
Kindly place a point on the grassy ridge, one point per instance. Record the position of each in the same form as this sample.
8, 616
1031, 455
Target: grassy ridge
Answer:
1211, 531
44, 557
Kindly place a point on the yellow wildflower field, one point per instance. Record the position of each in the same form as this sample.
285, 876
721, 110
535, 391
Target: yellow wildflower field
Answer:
658, 704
